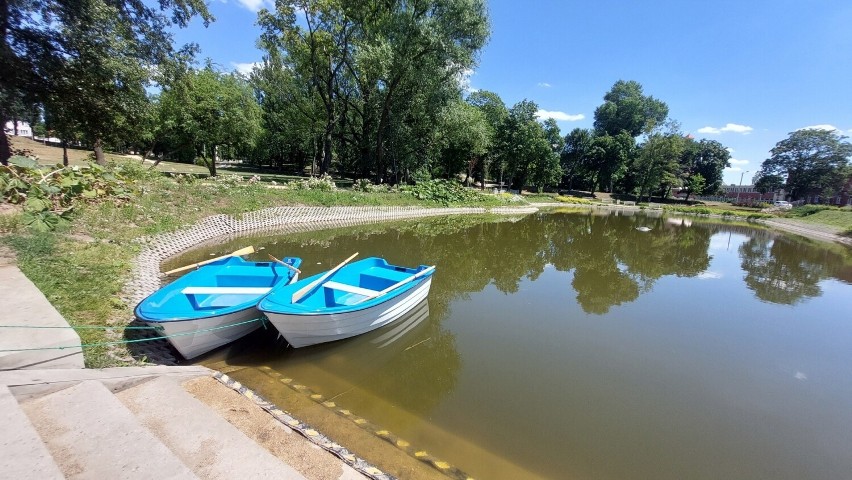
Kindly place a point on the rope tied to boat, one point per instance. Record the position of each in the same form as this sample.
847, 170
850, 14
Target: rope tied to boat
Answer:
140, 340
86, 327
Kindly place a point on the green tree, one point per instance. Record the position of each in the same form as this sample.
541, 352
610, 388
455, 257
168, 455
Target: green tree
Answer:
576, 154
381, 71
101, 84
208, 110
695, 184
495, 111
292, 121
656, 164
517, 138
466, 137
35, 47
627, 109
812, 160
611, 155
707, 158
768, 183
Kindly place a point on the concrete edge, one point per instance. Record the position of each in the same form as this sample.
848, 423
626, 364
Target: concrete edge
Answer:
29, 384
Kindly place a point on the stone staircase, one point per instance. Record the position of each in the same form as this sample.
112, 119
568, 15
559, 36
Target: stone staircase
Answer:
60, 420
123, 423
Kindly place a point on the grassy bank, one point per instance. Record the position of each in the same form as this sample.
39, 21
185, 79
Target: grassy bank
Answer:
83, 265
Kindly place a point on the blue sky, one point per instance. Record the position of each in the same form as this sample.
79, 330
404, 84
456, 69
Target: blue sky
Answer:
745, 73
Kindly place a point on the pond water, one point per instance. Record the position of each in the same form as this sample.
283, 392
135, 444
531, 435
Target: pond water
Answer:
572, 345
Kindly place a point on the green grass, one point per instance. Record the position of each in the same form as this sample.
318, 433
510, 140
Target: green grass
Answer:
834, 217
724, 212
81, 280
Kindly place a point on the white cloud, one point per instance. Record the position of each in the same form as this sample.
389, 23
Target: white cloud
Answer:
544, 85
733, 127
245, 68
733, 169
709, 275
562, 116
729, 127
829, 128
730, 150
256, 5
734, 161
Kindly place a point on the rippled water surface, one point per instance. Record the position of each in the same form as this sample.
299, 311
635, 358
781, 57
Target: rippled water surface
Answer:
572, 345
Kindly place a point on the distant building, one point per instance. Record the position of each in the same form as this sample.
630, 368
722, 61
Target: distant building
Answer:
844, 197
748, 194
24, 129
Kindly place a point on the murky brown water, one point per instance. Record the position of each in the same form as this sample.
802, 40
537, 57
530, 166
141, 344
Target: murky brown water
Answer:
572, 345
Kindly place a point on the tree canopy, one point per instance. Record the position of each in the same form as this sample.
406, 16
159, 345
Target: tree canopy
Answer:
47, 48
813, 161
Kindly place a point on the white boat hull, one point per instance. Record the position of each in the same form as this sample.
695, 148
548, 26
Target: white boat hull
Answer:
302, 330
193, 337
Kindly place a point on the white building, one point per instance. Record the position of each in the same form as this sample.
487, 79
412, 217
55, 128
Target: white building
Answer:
24, 129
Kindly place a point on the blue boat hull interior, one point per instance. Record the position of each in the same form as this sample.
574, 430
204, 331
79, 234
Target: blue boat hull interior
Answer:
219, 288
345, 290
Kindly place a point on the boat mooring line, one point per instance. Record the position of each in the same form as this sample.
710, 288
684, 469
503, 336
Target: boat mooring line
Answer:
443, 467
84, 327
305, 430
138, 340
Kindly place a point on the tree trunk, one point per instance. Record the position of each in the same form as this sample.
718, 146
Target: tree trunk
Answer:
326, 149
15, 126
211, 166
5, 148
100, 159
64, 153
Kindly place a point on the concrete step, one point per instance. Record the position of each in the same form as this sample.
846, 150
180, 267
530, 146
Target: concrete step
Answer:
92, 435
24, 304
207, 443
22, 453
27, 384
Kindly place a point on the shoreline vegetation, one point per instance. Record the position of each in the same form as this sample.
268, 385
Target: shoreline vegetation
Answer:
83, 264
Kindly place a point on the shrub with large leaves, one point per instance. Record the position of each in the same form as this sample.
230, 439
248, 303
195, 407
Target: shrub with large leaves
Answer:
47, 194
443, 191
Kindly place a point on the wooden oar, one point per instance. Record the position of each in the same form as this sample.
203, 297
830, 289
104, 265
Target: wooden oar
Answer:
238, 253
396, 285
291, 267
309, 287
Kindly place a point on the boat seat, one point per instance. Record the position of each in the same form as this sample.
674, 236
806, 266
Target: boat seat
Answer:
350, 288
225, 290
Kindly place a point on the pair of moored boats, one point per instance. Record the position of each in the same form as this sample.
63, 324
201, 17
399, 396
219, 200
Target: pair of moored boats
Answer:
227, 297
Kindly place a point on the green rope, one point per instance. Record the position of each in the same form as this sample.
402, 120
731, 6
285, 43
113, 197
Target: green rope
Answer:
119, 342
85, 327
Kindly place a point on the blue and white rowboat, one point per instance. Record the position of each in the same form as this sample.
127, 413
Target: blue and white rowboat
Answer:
215, 304
345, 301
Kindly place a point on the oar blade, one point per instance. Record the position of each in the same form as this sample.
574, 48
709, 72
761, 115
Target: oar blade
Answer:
237, 253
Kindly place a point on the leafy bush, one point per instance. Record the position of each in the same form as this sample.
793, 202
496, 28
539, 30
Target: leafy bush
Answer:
47, 193
576, 200
443, 191
228, 179
365, 185
323, 184
806, 210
